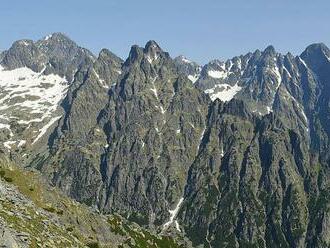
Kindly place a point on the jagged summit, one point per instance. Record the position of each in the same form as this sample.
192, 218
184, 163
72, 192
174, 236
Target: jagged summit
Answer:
152, 46
57, 36
270, 50
151, 53
106, 54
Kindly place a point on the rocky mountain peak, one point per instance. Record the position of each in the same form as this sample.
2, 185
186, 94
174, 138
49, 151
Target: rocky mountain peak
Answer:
183, 59
58, 38
107, 55
152, 51
57, 44
270, 50
22, 43
23, 53
152, 47
316, 55
188, 67
135, 53
143, 142
316, 48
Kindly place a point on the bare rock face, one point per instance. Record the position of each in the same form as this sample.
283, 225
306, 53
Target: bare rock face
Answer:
233, 153
156, 149
6, 239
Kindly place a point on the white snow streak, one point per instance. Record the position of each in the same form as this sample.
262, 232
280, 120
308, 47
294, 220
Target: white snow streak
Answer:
193, 78
303, 62
173, 214
177, 226
8, 144
103, 84
21, 143
44, 129
289, 74
269, 109
200, 139
152, 58
153, 89
222, 153
162, 110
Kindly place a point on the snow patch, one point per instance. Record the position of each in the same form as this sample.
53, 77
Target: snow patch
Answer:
289, 74
200, 139
162, 110
44, 129
102, 82
185, 60
173, 214
193, 78
303, 62
218, 74
269, 109
6, 126
222, 153
24, 43
21, 143
328, 58
225, 93
9, 143
28, 97
153, 89
177, 226
152, 58
48, 37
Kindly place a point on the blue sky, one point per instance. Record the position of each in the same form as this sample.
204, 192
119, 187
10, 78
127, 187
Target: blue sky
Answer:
201, 30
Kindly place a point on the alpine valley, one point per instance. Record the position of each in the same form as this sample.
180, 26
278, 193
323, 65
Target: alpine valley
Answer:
153, 151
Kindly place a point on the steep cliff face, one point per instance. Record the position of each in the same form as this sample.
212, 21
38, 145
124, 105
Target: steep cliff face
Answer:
133, 150
247, 178
264, 180
233, 153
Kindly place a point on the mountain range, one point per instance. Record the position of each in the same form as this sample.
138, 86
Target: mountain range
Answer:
163, 152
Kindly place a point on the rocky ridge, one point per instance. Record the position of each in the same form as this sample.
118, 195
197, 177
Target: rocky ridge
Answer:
220, 154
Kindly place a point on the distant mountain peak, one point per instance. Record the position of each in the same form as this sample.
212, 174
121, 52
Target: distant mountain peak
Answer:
56, 36
316, 48
270, 50
316, 55
184, 59
152, 45
152, 51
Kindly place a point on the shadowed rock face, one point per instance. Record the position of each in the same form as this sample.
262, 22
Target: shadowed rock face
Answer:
137, 136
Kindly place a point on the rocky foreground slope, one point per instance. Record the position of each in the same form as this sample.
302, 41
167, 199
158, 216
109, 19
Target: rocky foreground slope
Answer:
233, 153
34, 214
